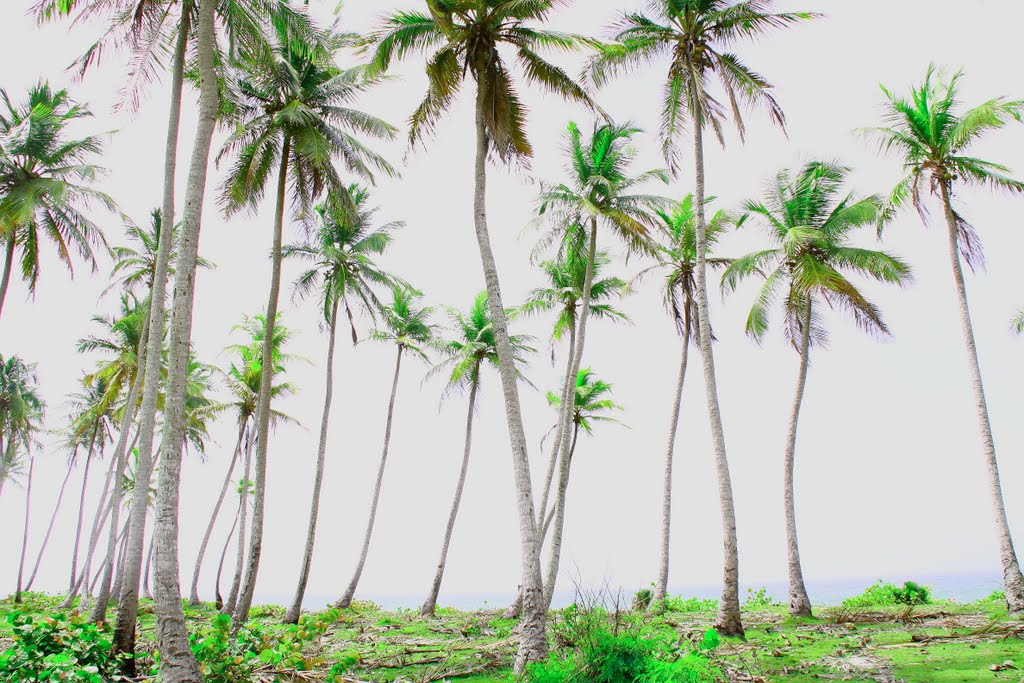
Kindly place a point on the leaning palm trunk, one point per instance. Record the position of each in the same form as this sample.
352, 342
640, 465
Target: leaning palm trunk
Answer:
49, 527
245, 595
81, 511
98, 522
149, 569
194, 591
24, 535
799, 603
292, 616
5, 279
431, 602
1013, 581
559, 523
128, 607
243, 525
729, 622
346, 599
566, 419
218, 600
661, 586
568, 384
532, 628
177, 664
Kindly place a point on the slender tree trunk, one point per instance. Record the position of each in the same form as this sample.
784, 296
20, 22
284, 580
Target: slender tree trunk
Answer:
559, 524
102, 512
292, 617
24, 535
177, 664
431, 602
49, 527
568, 386
116, 589
219, 602
6, 455
149, 568
81, 511
729, 622
128, 607
346, 599
799, 603
1013, 581
5, 279
243, 525
194, 591
568, 411
532, 627
263, 404
661, 586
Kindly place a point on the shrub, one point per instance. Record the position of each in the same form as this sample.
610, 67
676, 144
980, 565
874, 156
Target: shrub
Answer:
882, 594
912, 594
642, 599
55, 648
759, 599
690, 605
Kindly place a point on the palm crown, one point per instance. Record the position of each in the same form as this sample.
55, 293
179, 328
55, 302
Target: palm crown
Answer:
467, 35
21, 411
810, 221
592, 402
119, 342
243, 374
405, 324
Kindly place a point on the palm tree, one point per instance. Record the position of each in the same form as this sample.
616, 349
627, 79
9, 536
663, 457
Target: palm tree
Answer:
472, 347
292, 108
590, 405
408, 327
695, 36
462, 38
676, 257
1018, 322
46, 181
600, 192
21, 411
810, 222
344, 273
243, 382
932, 135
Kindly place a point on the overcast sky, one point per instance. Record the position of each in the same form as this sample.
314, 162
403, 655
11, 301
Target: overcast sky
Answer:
890, 477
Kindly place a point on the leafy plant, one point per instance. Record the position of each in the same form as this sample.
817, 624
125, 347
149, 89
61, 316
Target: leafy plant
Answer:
913, 594
759, 599
882, 594
690, 605
642, 599
55, 648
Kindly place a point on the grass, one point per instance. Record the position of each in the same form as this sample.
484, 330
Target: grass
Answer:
937, 643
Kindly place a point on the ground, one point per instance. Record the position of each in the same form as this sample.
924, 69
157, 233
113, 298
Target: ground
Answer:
936, 643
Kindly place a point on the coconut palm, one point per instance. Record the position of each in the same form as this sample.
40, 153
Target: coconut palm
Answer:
932, 135
462, 39
810, 221
408, 327
590, 404
120, 340
1018, 322
600, 192
292, 109
21, 411
344, 274
243, 383
468, 351
47, 180
676, 260
694, 36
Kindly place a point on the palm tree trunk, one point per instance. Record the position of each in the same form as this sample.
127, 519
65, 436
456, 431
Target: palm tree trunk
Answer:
24, 535
218, 601
124, 631
559, 524
532, 627
661, 586
243, 525
81, 510
568, 411
5, 279
346, 599
177, 664
292, 616
6, 454
1013, 581
194, 591
431, 602
103, 510
263, 403
149, 568
729, 622
568, 386
799, 603
49, 527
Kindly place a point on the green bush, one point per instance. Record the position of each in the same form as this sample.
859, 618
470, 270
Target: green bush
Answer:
912, 594
759, 599
690, 605
642, 599
55, 648
882, 594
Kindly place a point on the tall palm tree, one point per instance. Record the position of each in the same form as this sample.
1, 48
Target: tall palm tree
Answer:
243, 383
600, 192
590, 404
21, 411
462, 38
695, 36
47, 180
676, 256
810, 221
468, 351
408, 327
292, 108
932, 136
344, 274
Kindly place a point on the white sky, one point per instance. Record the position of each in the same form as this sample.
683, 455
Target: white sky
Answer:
889, 472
